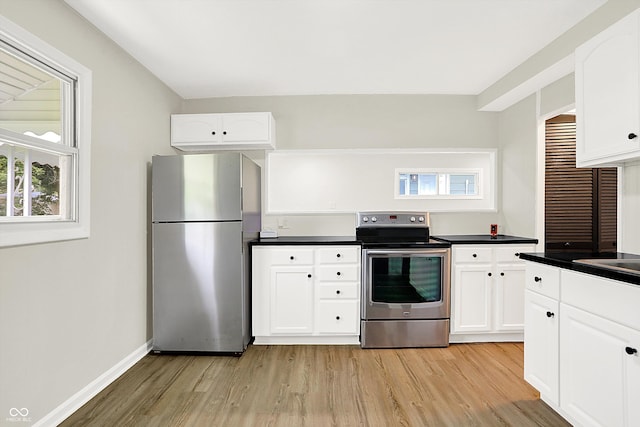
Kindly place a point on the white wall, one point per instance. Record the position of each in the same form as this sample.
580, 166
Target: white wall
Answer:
518, 126
630, 205
69, 311
369, 121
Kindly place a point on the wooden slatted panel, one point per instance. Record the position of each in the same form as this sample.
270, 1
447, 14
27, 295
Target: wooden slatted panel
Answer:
607, 209
580, 204
568, 201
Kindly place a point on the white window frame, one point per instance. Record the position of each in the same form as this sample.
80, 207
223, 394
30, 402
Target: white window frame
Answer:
40, 230
441, 173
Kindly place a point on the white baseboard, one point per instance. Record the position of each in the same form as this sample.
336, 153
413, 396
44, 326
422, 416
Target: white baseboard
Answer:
72, 404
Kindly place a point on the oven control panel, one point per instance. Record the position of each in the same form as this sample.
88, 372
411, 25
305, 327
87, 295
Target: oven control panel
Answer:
390, 219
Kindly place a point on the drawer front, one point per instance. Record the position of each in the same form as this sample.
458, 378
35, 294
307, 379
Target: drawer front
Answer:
338, 273
338, 291
543, 279
511, 253
611, 299
471, 254
291, 255
339, 254
338, 317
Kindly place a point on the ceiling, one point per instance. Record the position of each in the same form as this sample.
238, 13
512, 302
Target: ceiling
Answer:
219, 48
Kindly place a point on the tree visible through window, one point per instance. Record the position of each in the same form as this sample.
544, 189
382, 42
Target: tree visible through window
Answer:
45, 187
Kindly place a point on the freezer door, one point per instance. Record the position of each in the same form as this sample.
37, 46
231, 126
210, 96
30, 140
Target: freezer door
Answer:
198, 287
198, 187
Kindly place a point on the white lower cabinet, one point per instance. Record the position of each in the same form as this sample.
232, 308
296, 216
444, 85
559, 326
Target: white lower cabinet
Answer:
291, 300
487, 292
582, 344
600, 382
306, 294
541, 345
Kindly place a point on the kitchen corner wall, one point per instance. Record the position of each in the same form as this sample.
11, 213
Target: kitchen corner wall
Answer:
369, 121
71, 311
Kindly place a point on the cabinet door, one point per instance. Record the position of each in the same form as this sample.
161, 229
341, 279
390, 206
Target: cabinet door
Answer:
291, 300
195, 128
246, 127
600, 381
509, 301
607, 97
541, 345
472, 298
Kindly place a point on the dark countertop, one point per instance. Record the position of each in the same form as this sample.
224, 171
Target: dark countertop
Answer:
475, 239
306, 240
565, 260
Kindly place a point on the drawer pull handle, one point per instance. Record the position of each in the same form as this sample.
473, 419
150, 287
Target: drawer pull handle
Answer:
338, 292
337, 317
309, 275
537, 279
550, 314
292, 257
632, 136
631, 350
475, 255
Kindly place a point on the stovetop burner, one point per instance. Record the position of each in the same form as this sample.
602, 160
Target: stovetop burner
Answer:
394, 229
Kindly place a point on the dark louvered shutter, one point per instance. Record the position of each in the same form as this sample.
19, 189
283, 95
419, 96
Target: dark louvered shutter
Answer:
580, 204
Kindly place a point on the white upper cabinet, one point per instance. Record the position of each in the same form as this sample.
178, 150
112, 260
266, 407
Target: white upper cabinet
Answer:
232, 131
607, 79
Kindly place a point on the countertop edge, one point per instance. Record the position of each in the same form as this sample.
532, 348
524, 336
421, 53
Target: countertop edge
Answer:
543, 258
305, 240
482, 239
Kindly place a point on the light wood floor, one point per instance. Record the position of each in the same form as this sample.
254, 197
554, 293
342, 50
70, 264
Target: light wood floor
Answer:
463, 385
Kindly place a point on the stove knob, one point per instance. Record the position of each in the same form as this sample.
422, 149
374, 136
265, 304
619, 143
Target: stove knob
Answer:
365, 219
421, 219
374, 219
412, 219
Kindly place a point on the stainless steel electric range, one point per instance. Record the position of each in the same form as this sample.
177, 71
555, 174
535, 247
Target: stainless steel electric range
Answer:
406, 282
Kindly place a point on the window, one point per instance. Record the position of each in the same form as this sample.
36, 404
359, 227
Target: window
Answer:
44, 141
438, 184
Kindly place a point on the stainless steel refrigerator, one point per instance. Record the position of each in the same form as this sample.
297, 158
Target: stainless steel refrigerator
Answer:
205, 209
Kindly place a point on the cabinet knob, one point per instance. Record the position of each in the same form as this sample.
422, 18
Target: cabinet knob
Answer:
309, 275
489, 274
517, 254
631, 350
213, 132
338, 292
224, 132
338, 273
537, 279
337, 317
475, 255
292, 257
632, 136
550, 314
338, 255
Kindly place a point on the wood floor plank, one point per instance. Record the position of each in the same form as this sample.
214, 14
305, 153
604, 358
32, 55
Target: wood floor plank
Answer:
462, 385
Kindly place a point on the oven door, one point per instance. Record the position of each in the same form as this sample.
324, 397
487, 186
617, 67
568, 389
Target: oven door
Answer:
406, 283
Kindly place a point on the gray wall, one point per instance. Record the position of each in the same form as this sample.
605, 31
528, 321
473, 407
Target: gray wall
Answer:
369, 121
518, 135
70, 311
